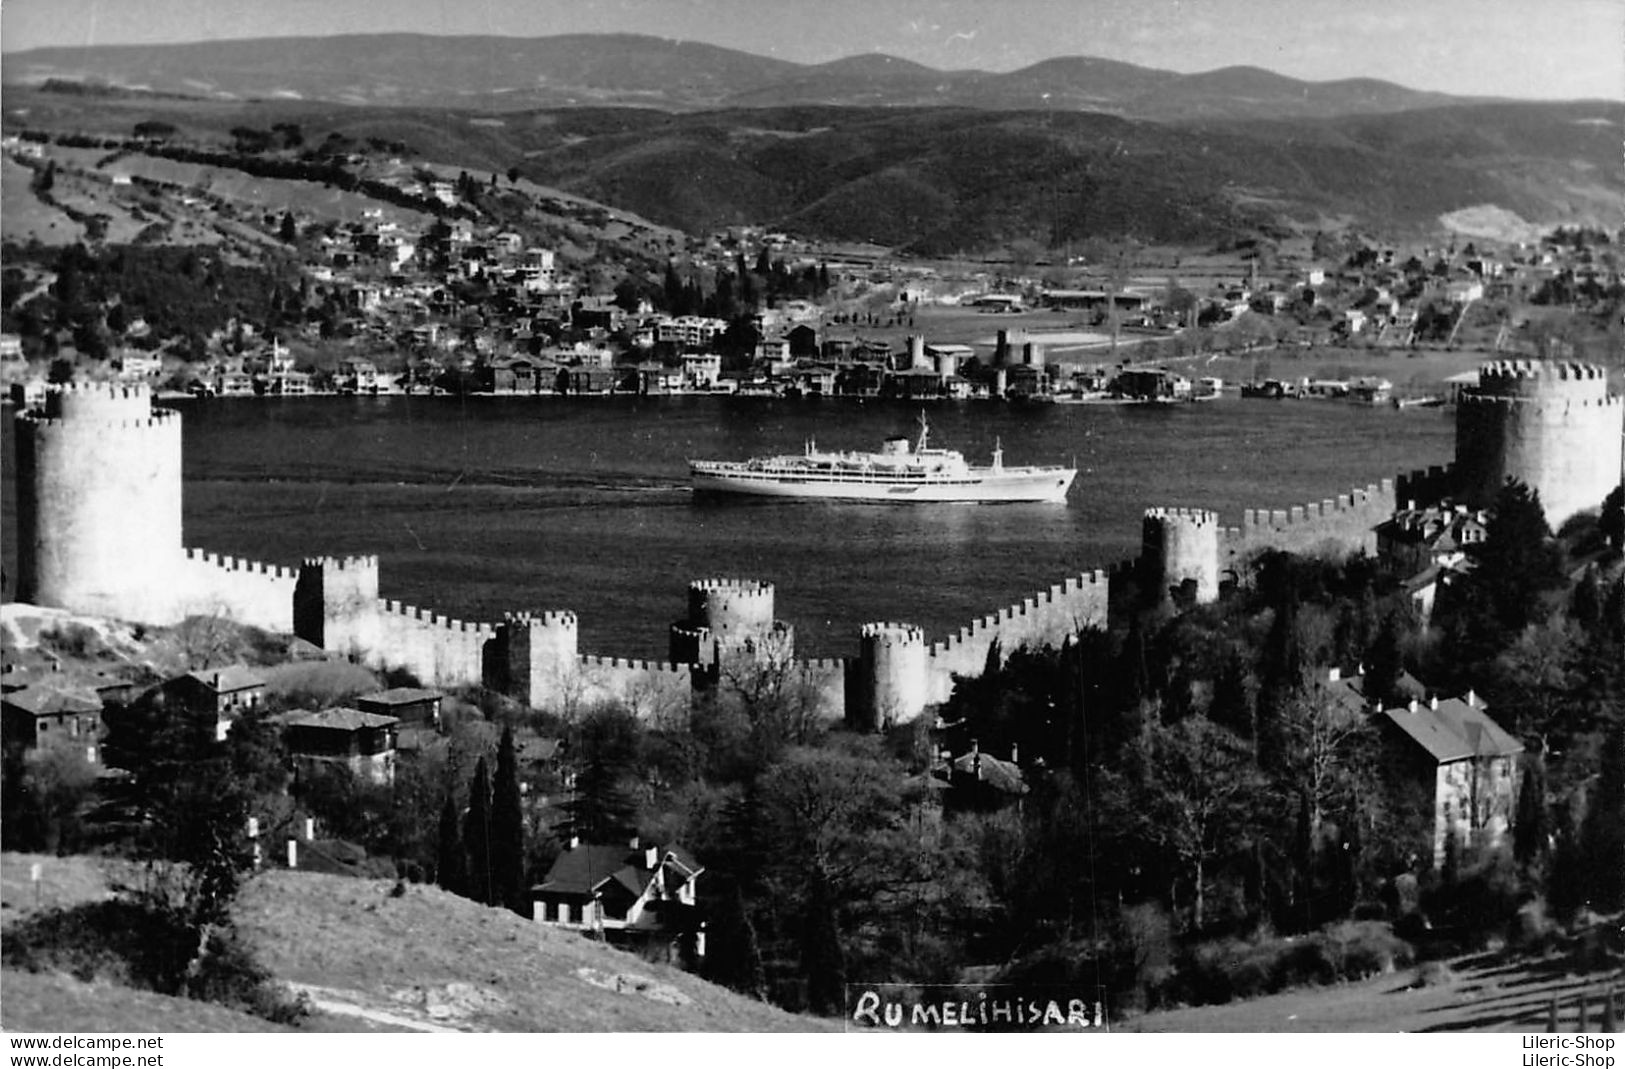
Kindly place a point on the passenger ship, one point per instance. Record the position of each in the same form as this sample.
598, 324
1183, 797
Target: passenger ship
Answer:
896, 473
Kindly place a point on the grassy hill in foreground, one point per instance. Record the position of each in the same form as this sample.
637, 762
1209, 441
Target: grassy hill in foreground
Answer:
426, 960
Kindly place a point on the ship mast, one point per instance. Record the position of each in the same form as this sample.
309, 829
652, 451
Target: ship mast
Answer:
925, 432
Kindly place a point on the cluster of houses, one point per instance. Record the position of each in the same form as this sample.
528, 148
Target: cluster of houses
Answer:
642, 896
481, 308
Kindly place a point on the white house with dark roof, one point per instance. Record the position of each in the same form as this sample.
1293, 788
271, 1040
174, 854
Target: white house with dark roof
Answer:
218, 696
639, 895
1453, 752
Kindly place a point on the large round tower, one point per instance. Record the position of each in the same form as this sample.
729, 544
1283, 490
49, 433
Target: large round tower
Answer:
1181, 546
99, 503
892, 682
730, 618
1550, 425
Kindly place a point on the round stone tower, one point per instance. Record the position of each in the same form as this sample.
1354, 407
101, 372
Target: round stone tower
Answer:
99, 503
892, 684
729, 617
1550, 425
1181, 546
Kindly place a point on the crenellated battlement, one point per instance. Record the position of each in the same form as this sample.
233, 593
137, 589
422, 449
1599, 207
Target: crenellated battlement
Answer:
429, 619
594, 662
1344, 524
359, 563
1193, 517
547, 618
1537, 380
113, 390
241, 564
1075, 602
893, 633
1598, 399
160, 417
1374, 500
741, 587
1425, 486
1521, 370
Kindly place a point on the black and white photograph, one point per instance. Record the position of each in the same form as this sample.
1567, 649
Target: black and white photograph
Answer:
1033, 517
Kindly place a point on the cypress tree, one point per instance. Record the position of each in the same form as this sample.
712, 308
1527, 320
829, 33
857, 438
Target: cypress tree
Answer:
477, 834
1517, 561
1585, 604
1602, 834
451, 870
507, 842
1384, 664
1232, 704
1530, 829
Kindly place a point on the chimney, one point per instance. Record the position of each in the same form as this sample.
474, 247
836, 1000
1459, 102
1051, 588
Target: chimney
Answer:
310, 829
633, 843
1472, 698
1334, 675
1015, 754
651, 857
1433, 702
575, 841
1413, 706
293, 853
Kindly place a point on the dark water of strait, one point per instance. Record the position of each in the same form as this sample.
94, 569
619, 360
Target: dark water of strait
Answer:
477, 506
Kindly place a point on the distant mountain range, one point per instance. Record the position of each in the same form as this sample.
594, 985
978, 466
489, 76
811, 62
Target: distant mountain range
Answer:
627, 69
873, 148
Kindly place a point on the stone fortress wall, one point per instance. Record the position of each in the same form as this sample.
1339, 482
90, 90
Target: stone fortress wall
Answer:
99, 493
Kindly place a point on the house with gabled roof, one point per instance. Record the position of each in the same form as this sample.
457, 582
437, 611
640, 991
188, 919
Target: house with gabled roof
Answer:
1452, 752
640, 896
218, 696
362, 742
42, 715
409, 705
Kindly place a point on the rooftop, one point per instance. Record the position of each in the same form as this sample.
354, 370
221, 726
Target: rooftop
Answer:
231, 677
401, 696
1453, 730
585, 868
342, 719
50, 701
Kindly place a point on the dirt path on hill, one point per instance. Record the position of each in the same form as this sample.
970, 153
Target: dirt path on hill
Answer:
349, 1004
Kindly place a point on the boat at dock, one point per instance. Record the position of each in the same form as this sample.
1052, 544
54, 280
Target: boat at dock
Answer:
896, 473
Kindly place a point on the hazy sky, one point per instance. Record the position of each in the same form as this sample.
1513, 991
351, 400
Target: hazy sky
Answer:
1522, 48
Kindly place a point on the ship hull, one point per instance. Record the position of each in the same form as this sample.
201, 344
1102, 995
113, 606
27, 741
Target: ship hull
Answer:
1038, 485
